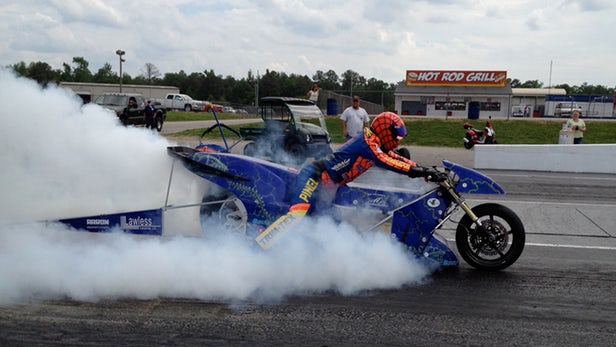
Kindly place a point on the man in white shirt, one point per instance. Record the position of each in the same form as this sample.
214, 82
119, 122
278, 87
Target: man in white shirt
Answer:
354, 119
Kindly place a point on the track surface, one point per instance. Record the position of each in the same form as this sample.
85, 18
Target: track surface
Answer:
562, 291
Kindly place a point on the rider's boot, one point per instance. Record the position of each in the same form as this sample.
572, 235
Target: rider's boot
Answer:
283, 224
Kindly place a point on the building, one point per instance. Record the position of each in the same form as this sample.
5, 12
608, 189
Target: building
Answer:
468, 94
90, 91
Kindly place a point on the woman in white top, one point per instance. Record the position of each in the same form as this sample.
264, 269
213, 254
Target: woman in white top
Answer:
313, 94
578, 127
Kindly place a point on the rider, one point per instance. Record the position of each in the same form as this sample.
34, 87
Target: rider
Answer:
374, 146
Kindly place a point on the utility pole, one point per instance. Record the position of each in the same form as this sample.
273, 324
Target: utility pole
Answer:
121, 53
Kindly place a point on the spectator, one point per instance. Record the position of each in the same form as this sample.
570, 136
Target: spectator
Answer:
578, 127
150, 113
354, 119
313, 94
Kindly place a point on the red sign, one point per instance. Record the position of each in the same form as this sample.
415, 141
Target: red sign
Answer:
456, 78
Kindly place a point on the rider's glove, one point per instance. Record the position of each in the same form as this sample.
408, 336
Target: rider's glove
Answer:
429, 174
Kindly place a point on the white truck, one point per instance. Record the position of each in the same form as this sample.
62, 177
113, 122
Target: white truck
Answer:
181, 102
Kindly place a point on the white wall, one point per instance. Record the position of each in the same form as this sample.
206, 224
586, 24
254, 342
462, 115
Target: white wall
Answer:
555, 158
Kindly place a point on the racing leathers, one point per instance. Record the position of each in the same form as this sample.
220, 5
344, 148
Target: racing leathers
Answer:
343, 166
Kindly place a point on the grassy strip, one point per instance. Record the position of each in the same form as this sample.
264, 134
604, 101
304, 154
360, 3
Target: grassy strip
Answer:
449, 132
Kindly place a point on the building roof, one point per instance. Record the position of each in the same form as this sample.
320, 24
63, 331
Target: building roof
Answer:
403, 89
537, 91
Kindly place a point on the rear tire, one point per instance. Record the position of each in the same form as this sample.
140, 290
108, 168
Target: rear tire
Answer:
499, 246
225, 210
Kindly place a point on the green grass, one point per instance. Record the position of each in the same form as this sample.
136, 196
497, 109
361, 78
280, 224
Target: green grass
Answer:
175, 116
449, 132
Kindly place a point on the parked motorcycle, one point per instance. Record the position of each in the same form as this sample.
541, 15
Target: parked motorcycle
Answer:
475, 136
254, 193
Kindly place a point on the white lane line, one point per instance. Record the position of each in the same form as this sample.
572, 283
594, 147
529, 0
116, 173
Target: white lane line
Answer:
525, 202
555, 245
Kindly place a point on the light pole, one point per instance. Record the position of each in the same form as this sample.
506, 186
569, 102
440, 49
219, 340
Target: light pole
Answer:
120, 53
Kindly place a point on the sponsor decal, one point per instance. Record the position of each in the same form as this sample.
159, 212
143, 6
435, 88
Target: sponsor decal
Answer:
99, 221
456, 78
433, 202
137, 222
277, 229
148, 222
309, 188
378, 201
341, 165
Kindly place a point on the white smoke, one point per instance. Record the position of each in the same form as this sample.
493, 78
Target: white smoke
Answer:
61, 160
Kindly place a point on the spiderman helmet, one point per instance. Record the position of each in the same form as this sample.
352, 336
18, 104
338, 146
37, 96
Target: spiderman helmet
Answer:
390, 129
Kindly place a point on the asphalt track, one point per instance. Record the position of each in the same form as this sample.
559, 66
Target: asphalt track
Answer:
561, 292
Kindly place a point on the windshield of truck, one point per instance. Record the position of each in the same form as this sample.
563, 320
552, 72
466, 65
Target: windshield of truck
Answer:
112, 100
306, 112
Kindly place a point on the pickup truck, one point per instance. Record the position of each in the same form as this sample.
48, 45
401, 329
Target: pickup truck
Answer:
565, 109
127, 114
181, 102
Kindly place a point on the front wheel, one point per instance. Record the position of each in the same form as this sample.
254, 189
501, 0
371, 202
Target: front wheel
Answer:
494, 245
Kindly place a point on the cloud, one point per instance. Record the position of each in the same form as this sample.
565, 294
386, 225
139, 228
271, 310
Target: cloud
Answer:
233, 37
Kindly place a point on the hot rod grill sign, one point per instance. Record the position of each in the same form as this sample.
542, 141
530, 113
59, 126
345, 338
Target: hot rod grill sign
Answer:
456, 78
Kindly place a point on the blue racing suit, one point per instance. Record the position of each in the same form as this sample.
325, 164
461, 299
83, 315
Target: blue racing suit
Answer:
347, 163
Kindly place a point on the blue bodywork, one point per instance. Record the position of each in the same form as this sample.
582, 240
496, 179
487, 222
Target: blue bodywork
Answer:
264, 188
411, 216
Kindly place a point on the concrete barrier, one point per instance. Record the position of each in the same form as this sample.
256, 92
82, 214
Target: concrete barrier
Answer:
555, 158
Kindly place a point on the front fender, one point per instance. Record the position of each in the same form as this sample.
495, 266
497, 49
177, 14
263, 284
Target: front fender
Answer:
473, 182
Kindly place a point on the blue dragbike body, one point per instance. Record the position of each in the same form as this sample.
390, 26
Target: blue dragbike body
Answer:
411, 216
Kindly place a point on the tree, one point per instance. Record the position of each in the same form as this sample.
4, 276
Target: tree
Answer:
81, 73
327, 80
66, 74
515, 83
150, 72
20, 68
532, 84
105, 75
41, 72
269, 85
174, 78
352, 81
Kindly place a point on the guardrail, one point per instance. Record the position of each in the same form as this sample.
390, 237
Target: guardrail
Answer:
589, 158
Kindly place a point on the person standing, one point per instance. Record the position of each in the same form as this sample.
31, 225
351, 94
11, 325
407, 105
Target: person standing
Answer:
313, 94
354, 119
150, 113
578, 127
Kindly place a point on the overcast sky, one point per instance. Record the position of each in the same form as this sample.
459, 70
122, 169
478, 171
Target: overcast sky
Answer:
376, 38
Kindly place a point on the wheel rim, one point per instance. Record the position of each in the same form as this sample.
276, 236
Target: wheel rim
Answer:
494, 243
233, 216
226, 211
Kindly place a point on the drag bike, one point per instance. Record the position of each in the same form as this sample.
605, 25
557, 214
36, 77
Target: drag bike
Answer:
474, 136
253, 193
